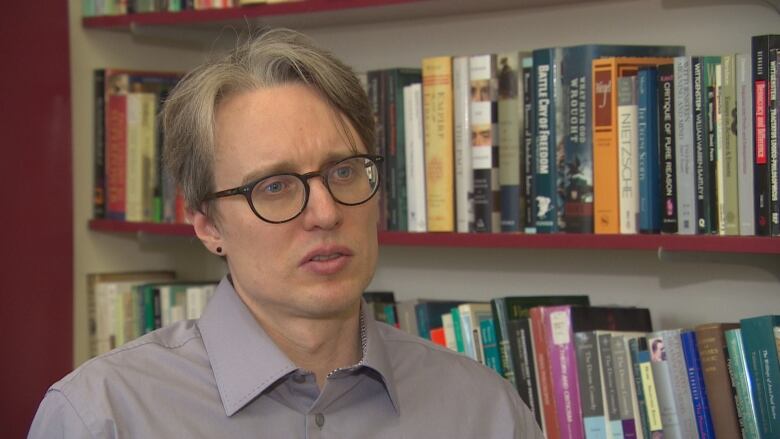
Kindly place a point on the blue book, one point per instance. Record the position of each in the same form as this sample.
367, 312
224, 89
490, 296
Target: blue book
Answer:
649, 172
575, 179
701, 407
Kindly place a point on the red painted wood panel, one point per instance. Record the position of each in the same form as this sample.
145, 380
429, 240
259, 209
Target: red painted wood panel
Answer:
36, 261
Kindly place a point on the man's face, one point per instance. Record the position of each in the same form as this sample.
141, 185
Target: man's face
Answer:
318, 264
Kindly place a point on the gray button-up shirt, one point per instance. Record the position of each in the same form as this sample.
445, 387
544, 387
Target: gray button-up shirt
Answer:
223, 377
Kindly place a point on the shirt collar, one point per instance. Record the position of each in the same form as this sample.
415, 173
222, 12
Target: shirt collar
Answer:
246, 361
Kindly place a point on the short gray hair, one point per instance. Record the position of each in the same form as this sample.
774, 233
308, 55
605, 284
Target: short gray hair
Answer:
266, 59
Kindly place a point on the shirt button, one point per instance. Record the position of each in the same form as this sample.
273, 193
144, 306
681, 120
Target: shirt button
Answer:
300, 379
319, 419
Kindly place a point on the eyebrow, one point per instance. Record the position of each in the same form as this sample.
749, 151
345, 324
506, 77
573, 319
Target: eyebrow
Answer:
287, 167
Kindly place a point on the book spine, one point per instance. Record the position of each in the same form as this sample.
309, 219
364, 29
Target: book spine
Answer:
728, 134
680, 385
761, 46
149, 156
605, 184
591, 399
774, 201
501, 319
545, 199
376, 101
544, 375
528, 144
134, 181
423, 320
467, 332
510, 126
641, 399
628, 163
483, 119
405, 77
439, 154
648, 151
709, 77
522, 354
760, 349
683, 147
701, 408
415, 163
623, 386
392, 161
654, 424
664, 387
745, 180
116, 158
464, 174
743, 392
714, 367
609, 390
99, 184
666, 137
458, 330
490, 346
563, 367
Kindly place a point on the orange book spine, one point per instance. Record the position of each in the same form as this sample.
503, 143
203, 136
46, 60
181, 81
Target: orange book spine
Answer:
115, 156
606, 208
544, 377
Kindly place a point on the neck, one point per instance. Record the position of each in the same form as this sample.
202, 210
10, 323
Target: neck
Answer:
317, 345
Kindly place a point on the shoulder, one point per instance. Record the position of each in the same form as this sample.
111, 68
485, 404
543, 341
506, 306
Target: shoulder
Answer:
124, 378
419, 359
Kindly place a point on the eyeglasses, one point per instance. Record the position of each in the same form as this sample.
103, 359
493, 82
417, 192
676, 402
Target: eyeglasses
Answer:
282, 197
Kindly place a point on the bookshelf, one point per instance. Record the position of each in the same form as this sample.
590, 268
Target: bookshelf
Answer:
724, 244
717, 278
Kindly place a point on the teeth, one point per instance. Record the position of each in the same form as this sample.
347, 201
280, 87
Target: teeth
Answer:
326, 257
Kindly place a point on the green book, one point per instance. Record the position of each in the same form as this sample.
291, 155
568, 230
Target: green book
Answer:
739, 381
758, 344
456, 324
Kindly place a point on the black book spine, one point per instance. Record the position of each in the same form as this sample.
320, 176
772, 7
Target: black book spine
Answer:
666, 138
699, 145
99, 193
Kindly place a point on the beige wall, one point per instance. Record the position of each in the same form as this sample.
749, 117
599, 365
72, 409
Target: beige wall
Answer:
680, 289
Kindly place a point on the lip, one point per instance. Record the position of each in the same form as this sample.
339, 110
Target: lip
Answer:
330, 266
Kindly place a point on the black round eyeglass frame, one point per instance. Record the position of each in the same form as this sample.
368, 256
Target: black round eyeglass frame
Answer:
246, 190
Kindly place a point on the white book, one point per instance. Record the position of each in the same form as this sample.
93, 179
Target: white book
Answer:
628, 155
683, 151
134, 164
744, 83
464, 176
471, 314
449, 331
720, 173
415, 159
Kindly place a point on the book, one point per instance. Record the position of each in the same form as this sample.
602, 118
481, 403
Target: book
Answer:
701, 405
743, 392
483, 119
528, 144
490, 352
471, 316
666, 147
745, 163
628, 151
429, 314
605, 142
99, 176
377, 99
415, 159
448, 326
544, 376
761, 45
439, 154
628, 404
706, 155
464, 172
713, 356
548, 139
761, 356
648, 150
727, 159
647, 399
510, 137
377, 302
591, 400
396, 79
577, 88
684, 153
520, 345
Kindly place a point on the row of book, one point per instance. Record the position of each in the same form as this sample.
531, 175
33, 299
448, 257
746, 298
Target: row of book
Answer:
603, 372
95, 8
582, 139
124, 306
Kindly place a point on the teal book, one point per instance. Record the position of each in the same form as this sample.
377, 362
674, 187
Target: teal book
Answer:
758, 343
456, 326
490, 346
743, 394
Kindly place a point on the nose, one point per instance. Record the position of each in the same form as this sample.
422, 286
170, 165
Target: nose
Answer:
322, 211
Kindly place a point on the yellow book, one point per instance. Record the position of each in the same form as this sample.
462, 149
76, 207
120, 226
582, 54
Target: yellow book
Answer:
439, 146
606, 71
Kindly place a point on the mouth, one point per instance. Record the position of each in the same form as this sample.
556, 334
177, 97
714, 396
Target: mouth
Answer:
326, 260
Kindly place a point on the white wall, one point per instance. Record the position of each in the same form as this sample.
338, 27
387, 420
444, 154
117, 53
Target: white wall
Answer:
680, 290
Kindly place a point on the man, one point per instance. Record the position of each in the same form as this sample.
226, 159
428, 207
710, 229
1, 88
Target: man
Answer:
273, 147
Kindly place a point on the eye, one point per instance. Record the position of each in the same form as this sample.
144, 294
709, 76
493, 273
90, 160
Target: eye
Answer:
273, 186
344, 171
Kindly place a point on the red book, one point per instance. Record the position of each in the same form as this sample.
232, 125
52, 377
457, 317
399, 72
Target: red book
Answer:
544, 374
116, 155
437, 336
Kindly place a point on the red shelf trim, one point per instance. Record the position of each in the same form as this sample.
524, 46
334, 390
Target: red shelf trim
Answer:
239, 13
725, 244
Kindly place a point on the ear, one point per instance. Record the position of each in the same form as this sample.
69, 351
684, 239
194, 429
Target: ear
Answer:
206, 231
